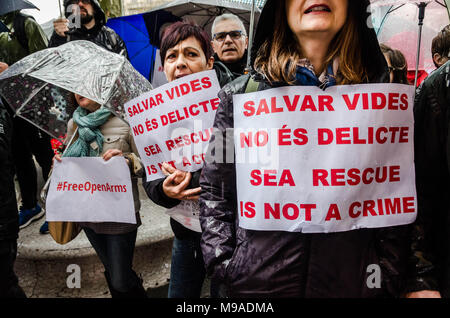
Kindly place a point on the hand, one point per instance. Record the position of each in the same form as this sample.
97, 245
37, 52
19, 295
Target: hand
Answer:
177, 190
57, 157
424, 294
61, 26
112, 153
3, 67
167, 169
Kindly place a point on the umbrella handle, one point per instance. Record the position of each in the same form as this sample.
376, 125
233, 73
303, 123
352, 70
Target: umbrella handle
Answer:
422, 7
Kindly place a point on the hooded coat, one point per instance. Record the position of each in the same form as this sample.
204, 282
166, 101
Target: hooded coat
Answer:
292, 264
11, 50
100, 34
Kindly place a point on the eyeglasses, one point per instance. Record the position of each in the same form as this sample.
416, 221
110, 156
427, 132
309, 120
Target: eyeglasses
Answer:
221, 36
77, 1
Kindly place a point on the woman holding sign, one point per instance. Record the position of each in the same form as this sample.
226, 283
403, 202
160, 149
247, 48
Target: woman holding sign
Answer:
185, 49
94, 131
304, 43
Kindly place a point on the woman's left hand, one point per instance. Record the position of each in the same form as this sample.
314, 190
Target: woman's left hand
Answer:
112, 153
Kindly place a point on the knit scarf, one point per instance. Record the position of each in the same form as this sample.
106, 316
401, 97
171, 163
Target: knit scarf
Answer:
90, 139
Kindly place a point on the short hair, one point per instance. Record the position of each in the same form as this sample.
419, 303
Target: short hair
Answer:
441, 43
180, 31
225, 17
398, 63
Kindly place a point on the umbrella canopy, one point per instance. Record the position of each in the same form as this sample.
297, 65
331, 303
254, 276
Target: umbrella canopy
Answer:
7, 6
39, 86
396, 23
141, 32
3, 27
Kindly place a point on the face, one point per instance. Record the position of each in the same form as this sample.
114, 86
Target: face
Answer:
229, 50
86, 10
187, 57
316, 18
86, 103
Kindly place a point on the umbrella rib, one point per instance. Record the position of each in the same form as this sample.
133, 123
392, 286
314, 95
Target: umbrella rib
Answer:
140, 51
442, 4
30, 98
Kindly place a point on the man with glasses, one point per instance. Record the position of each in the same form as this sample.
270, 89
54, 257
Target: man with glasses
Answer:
85, 20
230, 41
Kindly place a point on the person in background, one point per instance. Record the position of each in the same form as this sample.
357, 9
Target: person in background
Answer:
230, 42
440, 47
9, 219
397, 65
92, 27
26, 37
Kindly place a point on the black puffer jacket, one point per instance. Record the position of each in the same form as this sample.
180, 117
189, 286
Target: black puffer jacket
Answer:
9, 217
430, 261
286, 264
100, 34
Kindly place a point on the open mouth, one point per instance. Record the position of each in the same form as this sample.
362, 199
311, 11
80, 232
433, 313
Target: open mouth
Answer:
229, 50
318, 8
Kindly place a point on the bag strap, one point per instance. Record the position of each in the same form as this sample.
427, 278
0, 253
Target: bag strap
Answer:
252, 86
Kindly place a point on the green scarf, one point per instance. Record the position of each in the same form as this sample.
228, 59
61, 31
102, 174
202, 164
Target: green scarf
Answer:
90, 140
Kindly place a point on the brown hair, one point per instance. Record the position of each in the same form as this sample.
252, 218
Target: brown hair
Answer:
398, 64
277, 57
441, 43
180, 31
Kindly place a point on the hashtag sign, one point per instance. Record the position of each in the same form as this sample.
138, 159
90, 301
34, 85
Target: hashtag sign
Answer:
59, 187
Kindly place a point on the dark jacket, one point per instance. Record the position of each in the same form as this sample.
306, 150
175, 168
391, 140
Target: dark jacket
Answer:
9, 217
100, 34
430, 261
237, 68
11, 49
288, 264
154, 189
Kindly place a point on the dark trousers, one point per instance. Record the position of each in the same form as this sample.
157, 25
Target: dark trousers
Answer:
9, 284
116, 253
28, 141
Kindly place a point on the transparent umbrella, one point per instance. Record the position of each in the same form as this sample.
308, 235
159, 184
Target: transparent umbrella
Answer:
38, 87
410, 26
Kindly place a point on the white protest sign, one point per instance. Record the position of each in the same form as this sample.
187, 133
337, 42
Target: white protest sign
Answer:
173, 123
316, 161
90, 189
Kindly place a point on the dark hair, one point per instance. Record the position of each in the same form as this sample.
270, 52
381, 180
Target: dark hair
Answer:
398, 64
180, 31
441, 43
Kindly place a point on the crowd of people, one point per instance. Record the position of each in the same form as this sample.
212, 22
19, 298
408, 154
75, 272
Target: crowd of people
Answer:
294, 45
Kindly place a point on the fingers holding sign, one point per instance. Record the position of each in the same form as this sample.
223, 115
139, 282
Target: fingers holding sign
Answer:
174, 186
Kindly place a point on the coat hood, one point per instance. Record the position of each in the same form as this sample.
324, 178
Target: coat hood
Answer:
372, 57
99, 16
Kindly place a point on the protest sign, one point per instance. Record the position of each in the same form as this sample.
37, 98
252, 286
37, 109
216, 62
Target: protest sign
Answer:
173, 123
325, 161
90, 189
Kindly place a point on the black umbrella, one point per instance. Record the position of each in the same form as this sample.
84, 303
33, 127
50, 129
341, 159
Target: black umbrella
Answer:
7, 6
